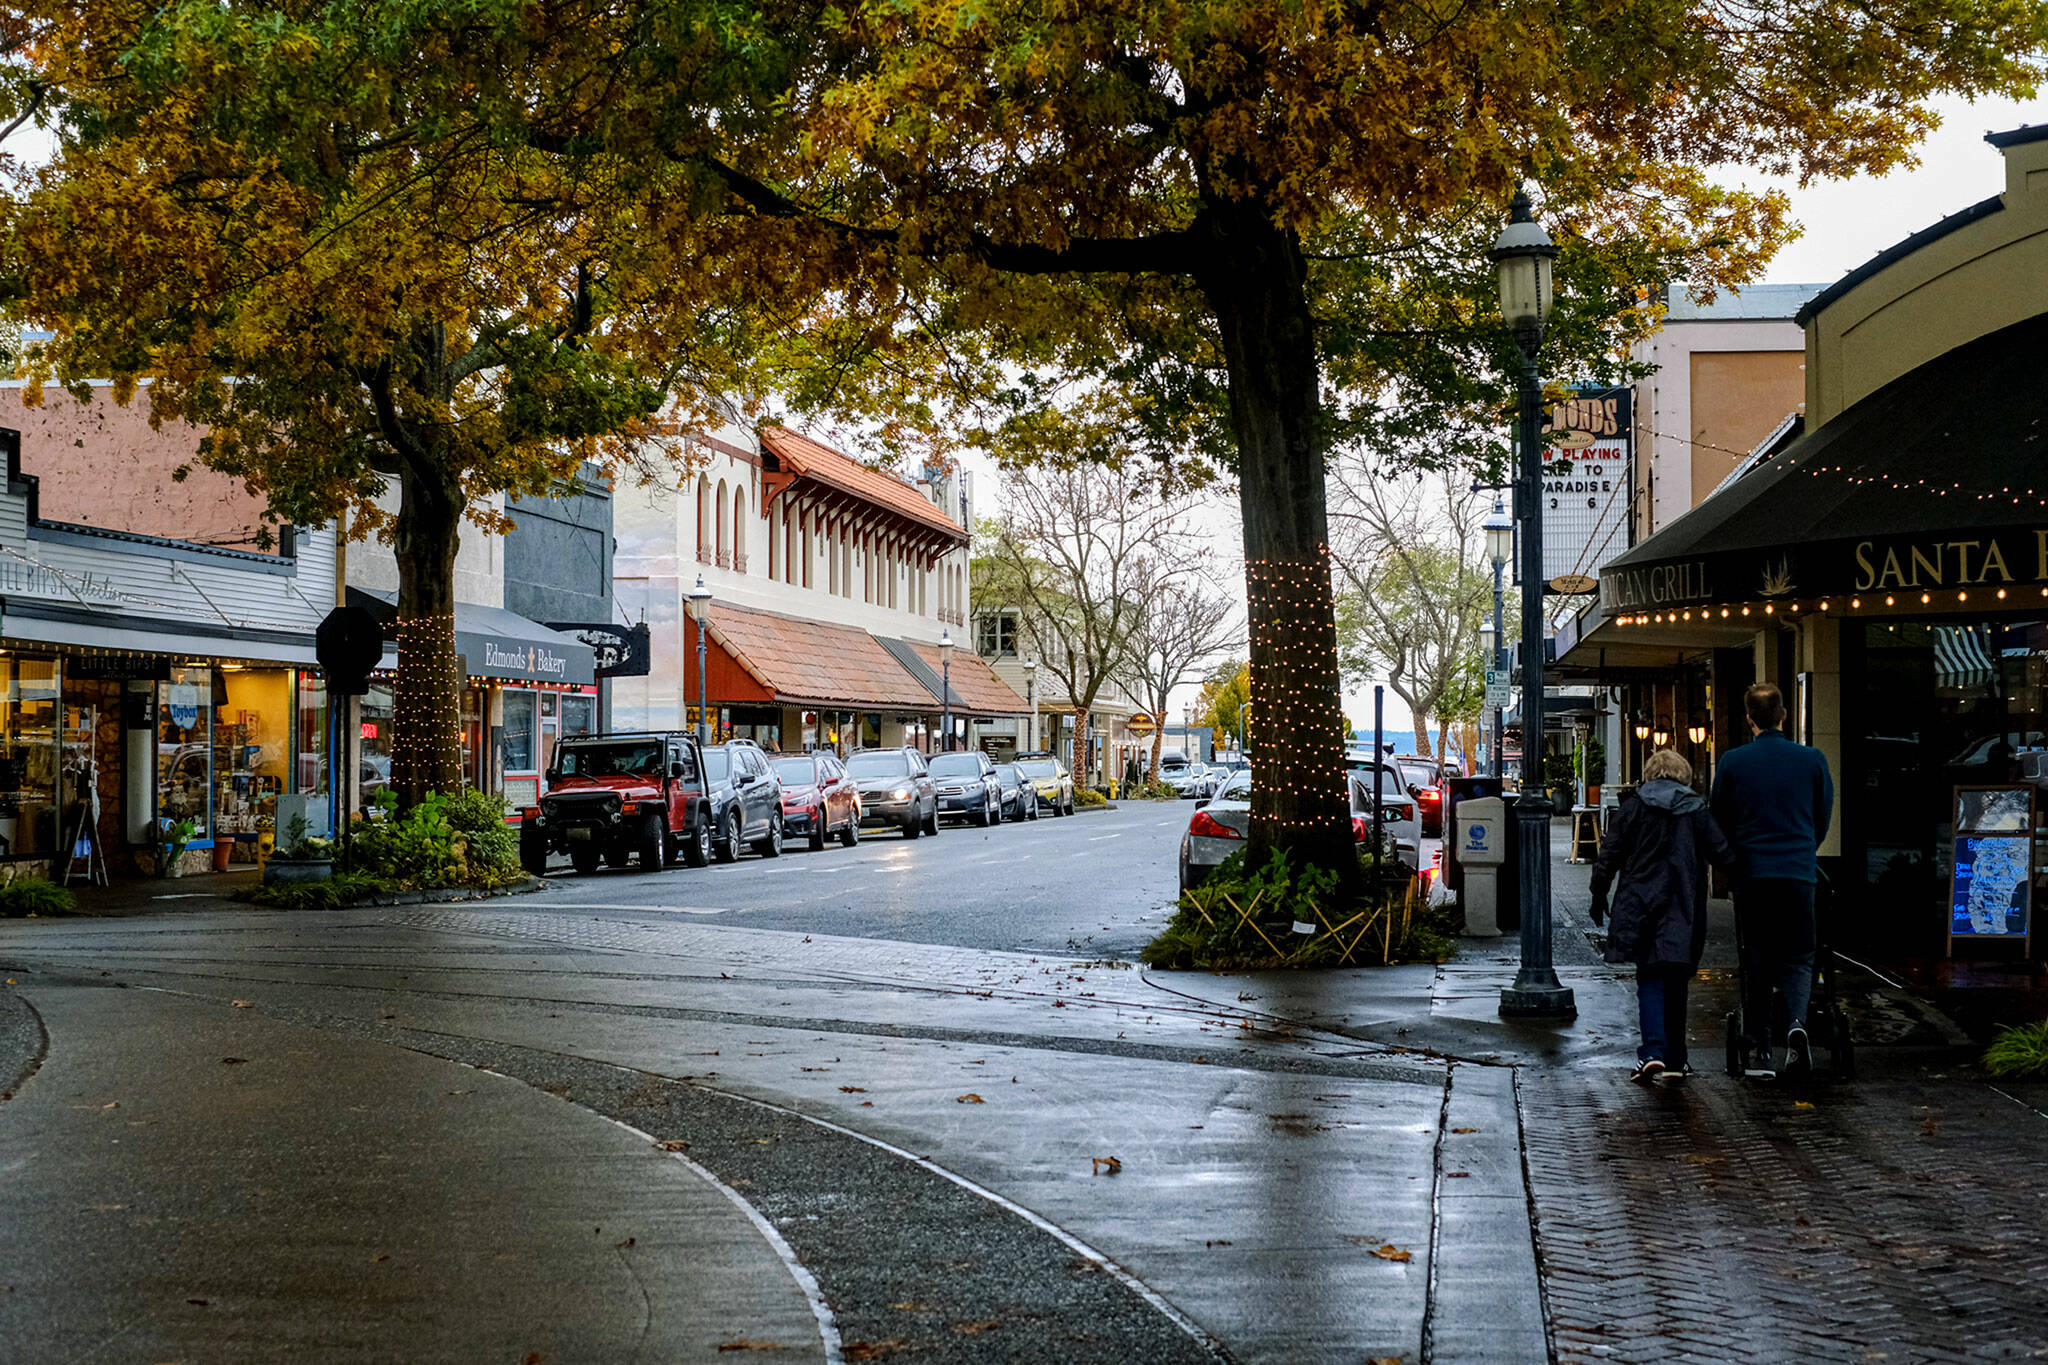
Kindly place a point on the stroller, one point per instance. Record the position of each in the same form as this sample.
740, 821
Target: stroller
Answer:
1827, 1024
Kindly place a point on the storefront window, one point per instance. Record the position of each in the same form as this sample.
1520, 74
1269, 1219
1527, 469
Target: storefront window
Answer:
373, 743
473, 736
310, 773
519, 741
251, 737
184, 748
579, 715
28, 757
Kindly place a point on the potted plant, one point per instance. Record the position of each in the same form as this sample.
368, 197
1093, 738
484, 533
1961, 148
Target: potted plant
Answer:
223, 851
301, 857
175, 837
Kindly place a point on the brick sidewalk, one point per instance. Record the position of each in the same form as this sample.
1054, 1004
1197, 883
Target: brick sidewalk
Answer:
1900, 1217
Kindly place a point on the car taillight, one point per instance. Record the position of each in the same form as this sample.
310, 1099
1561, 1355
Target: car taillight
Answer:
1399, 813
1429, 796
1358, 829
1209, 827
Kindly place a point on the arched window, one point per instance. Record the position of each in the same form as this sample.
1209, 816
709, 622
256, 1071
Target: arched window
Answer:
739, 529
774, 551
924, 599
724, 530
704, 527
788, 547
831, 539
803, 538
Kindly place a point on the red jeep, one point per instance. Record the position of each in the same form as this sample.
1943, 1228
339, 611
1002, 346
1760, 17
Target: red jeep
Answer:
611, 797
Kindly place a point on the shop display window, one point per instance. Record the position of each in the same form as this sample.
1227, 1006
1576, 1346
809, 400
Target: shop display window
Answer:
310, 775
373, 743
473, 736
579, 715
519, 739
28, 757
252, 719
184, 748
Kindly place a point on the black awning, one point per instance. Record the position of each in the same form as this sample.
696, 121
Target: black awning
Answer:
496, 643
1937, 484
917, 668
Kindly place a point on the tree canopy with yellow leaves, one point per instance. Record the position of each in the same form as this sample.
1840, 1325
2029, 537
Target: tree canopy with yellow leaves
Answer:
1239, 235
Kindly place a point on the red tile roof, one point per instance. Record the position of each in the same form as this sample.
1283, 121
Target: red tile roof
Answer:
809, 459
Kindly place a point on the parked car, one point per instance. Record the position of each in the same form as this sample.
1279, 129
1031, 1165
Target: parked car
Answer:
1189, 777
1425, 779
613, 797
745, 800
1020, 798
1218, 827
1050, 779
895, 789
1400, 812
819, 801
967, 786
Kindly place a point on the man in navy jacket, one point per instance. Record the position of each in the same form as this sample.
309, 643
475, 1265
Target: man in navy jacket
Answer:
1773, 798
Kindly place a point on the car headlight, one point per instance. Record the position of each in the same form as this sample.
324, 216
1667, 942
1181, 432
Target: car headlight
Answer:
899, 793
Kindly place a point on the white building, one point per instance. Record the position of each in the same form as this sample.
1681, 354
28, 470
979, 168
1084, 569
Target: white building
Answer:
833, 586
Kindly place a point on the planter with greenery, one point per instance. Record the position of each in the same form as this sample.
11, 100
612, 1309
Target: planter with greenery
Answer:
173, 838
301, 858
1239, 921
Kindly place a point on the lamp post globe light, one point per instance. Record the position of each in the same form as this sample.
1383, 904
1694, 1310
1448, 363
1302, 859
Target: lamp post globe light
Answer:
1523, 255
1031, 697
699, 598
946, 686
1500, 547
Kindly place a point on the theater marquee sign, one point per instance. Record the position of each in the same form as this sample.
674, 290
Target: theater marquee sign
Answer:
1948, 570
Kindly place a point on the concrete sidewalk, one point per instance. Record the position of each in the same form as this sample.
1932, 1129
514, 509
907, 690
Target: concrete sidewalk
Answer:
187, 1180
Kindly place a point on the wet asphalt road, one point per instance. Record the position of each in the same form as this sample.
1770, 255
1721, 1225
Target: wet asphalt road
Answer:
1095, 884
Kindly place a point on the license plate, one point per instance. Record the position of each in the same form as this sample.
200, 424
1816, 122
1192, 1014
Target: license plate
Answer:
576, 832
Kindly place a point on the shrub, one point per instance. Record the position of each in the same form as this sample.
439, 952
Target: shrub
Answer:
2016, 1052
1090, 797
26, 896
442, 841
1241, 921
344, 888
1155, 791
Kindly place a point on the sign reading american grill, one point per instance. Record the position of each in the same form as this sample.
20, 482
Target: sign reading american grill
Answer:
1951, 563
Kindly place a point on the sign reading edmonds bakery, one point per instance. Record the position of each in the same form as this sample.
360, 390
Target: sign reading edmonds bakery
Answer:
1939, 566
529, 660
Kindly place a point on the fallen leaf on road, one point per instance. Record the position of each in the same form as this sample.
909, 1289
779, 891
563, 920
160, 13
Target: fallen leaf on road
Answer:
873, 1350
969, 1098
867, 1104
383, 1257
1464, 1130
12, 982
853, 1089
1106, 1165
1219, 1242
1802, 1104
673, 1145
1390, 1252
1384, 1360
1700, 1159
749, 1344
245, 1004
1456, 1175
975, 1329
623, 1245
909, 1307
111, 1104
200, 1303
233, 1061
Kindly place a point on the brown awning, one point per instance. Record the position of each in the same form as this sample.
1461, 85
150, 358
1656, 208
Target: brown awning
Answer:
975, 684
795, 467
800, 663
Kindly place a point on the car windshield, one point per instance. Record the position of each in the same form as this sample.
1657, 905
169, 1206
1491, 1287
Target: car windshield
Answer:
717, 765
795, 772
956, 765
643, 758
881, 763
1172, 761
1389, 780
1238, 788
1419, 774
1041, 767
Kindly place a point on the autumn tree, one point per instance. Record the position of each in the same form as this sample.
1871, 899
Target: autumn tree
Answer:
1242, 236
1416, 588
1079, 551
1185, 622
380, 317
1227, 689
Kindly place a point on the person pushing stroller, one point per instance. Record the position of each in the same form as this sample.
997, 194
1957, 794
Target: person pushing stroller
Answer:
1654, 858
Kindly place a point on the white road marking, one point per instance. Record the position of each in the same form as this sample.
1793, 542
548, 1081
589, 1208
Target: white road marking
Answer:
1100, 837
641, 909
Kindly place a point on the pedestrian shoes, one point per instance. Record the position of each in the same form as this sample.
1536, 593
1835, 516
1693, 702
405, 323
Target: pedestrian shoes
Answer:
1648, 1071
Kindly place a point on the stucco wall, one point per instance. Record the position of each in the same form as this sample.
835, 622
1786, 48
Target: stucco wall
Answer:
1738, 398
1974, 280
100, 464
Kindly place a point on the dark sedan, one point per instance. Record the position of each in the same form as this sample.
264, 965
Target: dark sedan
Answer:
1020, 798
818, 799
968, 788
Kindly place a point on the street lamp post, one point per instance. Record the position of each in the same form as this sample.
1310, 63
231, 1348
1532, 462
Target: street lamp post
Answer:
1523, 255
1031, 697
946, 686
1500, 544
699, 598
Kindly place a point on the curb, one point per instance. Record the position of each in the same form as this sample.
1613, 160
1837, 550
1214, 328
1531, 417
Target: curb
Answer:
1090, 810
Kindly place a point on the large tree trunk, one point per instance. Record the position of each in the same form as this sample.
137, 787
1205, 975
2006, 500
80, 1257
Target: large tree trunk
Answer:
426, 747
1255, 278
